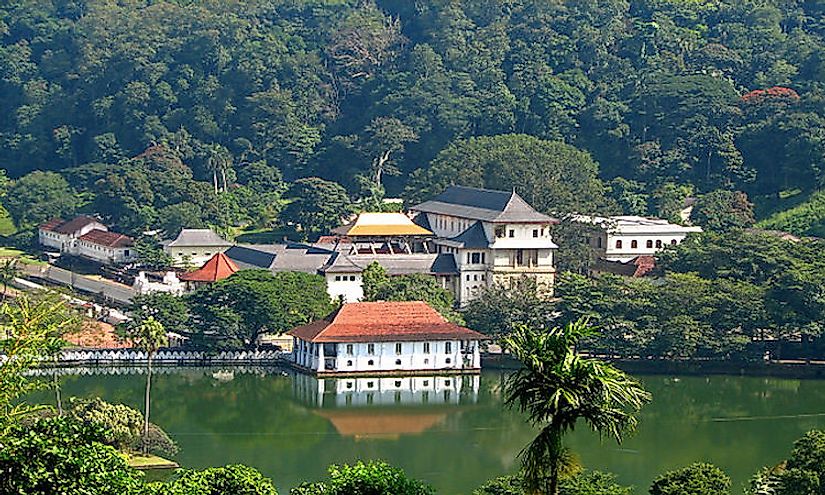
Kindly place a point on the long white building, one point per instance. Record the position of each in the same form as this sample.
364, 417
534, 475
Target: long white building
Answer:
88, 238
385, 337
623, 238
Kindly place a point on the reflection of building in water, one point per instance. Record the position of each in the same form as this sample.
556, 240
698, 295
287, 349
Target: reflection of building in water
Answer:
389, 406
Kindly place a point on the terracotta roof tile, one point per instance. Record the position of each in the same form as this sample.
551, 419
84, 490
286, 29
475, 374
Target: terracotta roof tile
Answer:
385, 321
217, 268
75, 224
108, 239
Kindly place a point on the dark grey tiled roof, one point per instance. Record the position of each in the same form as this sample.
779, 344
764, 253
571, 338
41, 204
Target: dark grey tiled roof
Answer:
422, 221
483, 204
474, 237
246, 257
444, 264
394, 264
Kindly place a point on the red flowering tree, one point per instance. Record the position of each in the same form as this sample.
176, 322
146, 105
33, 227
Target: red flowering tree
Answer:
774, 94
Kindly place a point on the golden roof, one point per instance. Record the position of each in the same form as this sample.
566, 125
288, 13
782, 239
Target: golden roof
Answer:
381, 224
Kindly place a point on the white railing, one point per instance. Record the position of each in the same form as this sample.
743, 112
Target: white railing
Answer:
167, 357
216, 372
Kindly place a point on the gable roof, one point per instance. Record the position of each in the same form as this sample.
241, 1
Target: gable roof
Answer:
199, 237
384, 321
249, 257
483, 204
72, 226
108, 239
381, 224
394, 264
444, 264
217, 268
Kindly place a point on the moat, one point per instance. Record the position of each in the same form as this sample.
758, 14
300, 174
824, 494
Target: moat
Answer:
450, 431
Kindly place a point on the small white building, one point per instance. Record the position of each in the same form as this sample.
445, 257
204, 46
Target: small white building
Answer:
196, 246
623, 238
384, 338
88, 238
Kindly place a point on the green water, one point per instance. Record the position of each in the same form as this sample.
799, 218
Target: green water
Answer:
458, 436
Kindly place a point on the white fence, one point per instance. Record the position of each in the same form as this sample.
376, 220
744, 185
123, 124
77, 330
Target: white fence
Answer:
219, 373
168, 357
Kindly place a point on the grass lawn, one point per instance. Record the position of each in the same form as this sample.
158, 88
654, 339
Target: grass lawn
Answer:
6, 225
8, 252
139, 461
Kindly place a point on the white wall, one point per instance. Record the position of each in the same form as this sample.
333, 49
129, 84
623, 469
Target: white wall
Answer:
627, 252
104, 254
385, 358
198, 255
346, 285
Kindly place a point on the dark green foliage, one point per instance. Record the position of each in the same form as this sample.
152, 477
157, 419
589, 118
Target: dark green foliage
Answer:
807, 218
365, 478
236, 311
568, 182
696, 479
234, 479
499, 309
378, 286
39, 196
150, 254
722, 210
586, 483
317, 205
61, 455
168, 309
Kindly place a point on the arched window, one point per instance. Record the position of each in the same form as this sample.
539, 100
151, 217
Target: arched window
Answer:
649, 244
598, 242
634, 244
658, 244
673, 242
619, 244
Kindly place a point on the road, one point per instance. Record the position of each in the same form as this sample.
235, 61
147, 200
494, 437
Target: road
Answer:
107, 290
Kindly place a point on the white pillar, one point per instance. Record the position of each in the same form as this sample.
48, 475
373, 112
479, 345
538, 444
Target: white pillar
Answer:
320, 357
476, 355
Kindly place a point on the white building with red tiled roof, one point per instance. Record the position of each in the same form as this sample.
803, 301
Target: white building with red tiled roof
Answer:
86, 237
385, 337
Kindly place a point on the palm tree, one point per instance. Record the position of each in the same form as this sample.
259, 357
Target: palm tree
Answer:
8, 272
149, 336
555, 388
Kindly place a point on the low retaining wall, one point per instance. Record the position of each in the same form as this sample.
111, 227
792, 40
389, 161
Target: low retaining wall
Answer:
127, 357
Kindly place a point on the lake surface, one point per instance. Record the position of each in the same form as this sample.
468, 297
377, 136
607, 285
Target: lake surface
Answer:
452, 431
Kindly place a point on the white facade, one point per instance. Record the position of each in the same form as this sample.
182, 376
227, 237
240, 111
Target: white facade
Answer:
195, 246
623, 238
387, 356
171, 284
345, 286
106, 255
65, 242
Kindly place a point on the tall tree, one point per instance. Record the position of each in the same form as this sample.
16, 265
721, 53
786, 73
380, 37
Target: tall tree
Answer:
556, 388
317, 205
149, 336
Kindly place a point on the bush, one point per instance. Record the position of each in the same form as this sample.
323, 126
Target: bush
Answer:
587, 483
696, 479
370, 478
234, 479
63, 456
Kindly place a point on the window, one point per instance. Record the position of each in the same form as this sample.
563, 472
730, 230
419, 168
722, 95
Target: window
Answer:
352, 278
448, 348
649, 244
512, 233
598, 242
658, 243
483, 257
448, 360
349, 384
468, 278
426, 383
398, 384
349, 349
426, 347
475, 278
398, 348
476, 257
634, 244
370, 384
501, 231
370, 362
673, 242
349, 363
370, 349
338, 278
398, 362
446, 383
619, 244
469, 257
535, 232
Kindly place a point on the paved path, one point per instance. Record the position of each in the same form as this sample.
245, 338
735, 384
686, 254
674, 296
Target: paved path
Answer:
110, 291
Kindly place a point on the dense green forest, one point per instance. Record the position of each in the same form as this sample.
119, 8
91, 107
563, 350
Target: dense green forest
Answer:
166, 113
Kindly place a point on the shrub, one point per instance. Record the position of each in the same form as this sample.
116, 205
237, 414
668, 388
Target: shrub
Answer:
234, 479
696, 479
365, 478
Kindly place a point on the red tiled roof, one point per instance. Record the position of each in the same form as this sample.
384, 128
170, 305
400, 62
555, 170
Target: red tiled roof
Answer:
51, 224
108, 239
385, 321
75, 224
217, 268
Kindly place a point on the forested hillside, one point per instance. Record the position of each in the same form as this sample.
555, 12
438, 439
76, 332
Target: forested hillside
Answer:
162, 113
